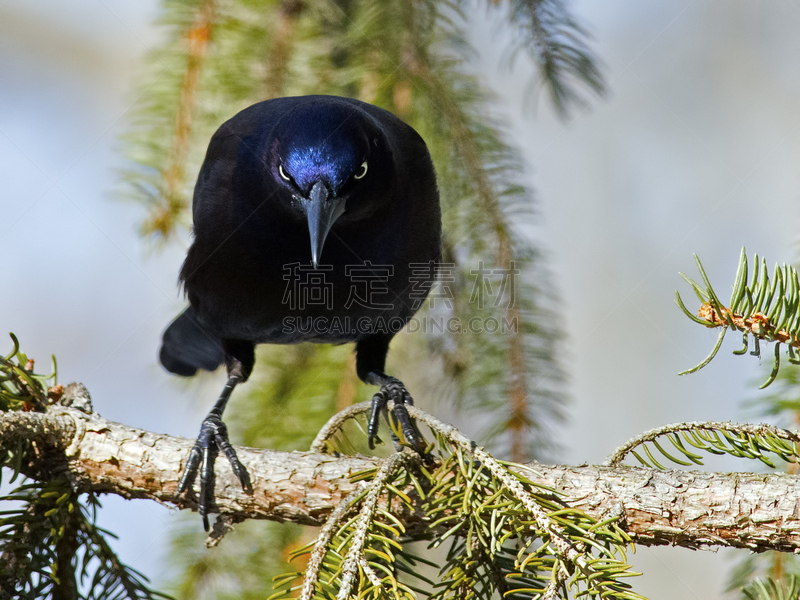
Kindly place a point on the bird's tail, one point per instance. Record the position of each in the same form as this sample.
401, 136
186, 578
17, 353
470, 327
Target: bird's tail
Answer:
187, 346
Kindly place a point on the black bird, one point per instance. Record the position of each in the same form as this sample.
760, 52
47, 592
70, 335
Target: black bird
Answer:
295, 191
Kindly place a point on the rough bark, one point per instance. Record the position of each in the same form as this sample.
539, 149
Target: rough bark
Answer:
686, 508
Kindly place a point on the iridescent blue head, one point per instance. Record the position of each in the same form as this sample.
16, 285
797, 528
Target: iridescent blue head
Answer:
322, 154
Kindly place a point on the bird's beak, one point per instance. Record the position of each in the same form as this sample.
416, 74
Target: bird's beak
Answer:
321, 213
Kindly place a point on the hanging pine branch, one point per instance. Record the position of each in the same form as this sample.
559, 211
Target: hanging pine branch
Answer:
557, 44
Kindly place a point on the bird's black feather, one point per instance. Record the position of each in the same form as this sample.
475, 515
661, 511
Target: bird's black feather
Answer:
188, 345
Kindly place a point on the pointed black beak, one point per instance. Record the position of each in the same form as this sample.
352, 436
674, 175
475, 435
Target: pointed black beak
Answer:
322, 213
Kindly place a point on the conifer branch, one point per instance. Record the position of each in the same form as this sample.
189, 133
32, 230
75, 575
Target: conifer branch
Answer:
468, 150
321, 543
355, 553
766, 309
737, 439
773, 589
173, 203
280, 52
749, 510
558, 45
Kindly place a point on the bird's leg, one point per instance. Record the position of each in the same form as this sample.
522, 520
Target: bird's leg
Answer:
370, 361
213, 438
392, 389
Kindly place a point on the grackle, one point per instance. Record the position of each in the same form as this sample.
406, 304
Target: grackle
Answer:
316, 189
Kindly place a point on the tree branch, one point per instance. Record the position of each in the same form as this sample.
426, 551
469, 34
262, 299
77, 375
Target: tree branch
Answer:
686, 508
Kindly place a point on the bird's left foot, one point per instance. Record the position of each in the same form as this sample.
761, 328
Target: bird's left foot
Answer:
213, 438
394, 390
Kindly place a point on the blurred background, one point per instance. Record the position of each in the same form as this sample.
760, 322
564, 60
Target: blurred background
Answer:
694, 149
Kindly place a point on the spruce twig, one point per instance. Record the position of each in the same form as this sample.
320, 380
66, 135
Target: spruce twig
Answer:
321, 544
766, 309
366, 514
334, 424
544, 523
738, 439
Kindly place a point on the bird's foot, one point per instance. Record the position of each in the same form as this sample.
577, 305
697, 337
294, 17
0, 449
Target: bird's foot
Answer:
394, 390
213, 438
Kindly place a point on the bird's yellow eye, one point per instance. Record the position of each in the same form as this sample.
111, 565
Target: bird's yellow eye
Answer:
362, 170
283, 173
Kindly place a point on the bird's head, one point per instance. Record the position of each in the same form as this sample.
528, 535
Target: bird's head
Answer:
330, 159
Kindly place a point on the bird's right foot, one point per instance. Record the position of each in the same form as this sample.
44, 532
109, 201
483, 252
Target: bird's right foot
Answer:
213, 438
394, 389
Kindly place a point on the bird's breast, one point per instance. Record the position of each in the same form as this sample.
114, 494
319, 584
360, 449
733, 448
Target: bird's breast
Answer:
366, 282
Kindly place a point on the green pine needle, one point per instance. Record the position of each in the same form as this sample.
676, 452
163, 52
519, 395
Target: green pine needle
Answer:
49, 541
755, 442
769, 589
476, 508
766, 309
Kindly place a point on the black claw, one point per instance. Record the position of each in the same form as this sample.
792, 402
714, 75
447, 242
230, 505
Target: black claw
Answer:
190, 472
213, 438
379, 401
210, 452
409, 429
